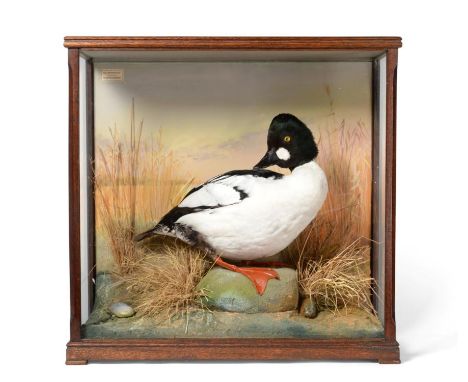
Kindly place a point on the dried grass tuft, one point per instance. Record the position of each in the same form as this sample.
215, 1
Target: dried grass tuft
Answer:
163, 281
339, 282
135, 185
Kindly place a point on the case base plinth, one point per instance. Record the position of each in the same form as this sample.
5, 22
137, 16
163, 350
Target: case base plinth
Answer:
379, 350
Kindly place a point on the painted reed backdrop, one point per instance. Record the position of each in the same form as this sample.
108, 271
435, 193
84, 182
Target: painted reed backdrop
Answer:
139, 179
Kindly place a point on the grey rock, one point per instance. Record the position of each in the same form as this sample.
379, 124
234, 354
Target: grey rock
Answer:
309, 307
121, 309
232, 292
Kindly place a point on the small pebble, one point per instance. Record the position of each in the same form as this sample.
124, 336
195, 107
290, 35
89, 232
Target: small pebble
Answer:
309, 308
122, 310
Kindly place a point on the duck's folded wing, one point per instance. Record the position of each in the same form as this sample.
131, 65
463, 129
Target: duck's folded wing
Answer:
215, 194
224, 190
227, 189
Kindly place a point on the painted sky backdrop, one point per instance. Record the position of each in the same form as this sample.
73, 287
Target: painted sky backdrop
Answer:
215, 116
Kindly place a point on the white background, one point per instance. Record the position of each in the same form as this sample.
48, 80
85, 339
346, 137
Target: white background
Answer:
432, 172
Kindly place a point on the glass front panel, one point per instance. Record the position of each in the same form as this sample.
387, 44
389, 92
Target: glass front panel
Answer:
379, 183
233, 199
86, 277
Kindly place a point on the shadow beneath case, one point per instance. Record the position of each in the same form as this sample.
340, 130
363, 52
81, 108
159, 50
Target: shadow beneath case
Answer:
226, 362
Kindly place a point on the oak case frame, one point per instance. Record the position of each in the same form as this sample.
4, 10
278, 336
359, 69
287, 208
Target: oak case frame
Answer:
81, 350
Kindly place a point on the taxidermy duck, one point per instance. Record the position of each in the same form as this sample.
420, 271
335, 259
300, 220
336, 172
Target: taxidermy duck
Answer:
252, 214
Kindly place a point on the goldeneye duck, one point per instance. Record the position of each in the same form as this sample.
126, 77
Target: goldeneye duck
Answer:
253, 214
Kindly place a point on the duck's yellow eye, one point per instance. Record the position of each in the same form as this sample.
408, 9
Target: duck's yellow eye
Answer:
287, 139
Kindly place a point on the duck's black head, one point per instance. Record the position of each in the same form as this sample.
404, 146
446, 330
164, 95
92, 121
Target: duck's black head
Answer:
290, 143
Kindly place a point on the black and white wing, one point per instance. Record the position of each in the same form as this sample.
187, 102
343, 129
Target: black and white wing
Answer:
221, 191
226, 189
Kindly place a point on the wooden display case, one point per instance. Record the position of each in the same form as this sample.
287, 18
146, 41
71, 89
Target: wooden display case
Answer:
381, 53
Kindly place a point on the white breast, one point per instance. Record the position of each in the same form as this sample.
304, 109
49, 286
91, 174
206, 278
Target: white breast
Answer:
266, 222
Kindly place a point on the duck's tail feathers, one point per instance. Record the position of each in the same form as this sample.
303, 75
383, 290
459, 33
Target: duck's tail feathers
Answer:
159, 229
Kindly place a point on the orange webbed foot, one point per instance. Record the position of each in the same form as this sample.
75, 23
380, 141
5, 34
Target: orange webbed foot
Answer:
259, 277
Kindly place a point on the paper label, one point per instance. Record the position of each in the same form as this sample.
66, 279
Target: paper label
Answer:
112, 75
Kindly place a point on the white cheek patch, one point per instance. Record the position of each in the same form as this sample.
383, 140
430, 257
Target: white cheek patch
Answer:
283, 154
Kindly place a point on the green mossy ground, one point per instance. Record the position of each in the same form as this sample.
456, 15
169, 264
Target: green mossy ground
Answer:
204, 324
354, 323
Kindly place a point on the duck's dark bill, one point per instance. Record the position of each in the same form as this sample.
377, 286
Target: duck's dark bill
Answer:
269, 159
